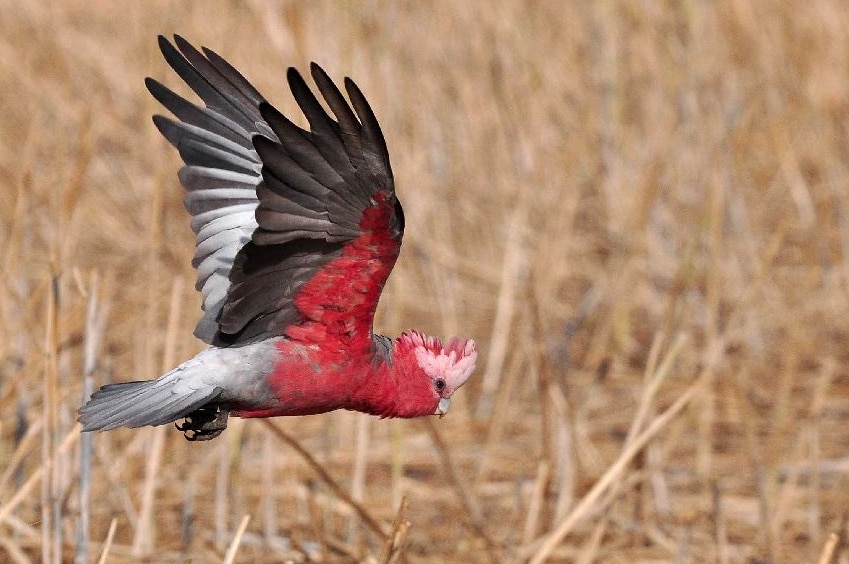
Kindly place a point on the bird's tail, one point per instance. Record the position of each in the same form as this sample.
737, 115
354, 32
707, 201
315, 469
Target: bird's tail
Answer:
141, 403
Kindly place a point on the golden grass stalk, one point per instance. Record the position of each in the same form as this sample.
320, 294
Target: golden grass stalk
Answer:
95, 323
360, 463
50, 526
471, 509
631, 449
325, 476
144, 539
230, 556
513, 263
46, 465
393, 548
107, 543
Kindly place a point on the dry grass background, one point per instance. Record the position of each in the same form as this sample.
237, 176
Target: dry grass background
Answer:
639, 210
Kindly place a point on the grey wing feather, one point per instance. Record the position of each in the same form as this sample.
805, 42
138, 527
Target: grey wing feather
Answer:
383, 348
222, 170
271, 203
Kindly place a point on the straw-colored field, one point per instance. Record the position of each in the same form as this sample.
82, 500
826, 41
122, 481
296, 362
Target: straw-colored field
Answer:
638, 210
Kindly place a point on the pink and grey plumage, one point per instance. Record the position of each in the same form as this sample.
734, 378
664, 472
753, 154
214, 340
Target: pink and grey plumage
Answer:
297, 232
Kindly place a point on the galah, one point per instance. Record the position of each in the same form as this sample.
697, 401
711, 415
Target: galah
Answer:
297, 231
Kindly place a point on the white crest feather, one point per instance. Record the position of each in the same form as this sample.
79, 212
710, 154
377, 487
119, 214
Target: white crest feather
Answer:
454, 363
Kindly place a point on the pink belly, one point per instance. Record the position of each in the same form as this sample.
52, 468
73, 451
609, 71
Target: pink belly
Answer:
302, 384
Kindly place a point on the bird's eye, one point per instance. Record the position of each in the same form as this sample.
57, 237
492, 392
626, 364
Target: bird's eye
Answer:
440, 384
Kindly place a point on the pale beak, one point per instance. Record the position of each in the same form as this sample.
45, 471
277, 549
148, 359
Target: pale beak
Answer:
442, 408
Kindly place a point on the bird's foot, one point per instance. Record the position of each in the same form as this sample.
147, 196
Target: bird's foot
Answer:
204, 424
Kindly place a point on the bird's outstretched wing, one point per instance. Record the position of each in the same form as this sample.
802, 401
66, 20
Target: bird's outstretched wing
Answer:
297, 230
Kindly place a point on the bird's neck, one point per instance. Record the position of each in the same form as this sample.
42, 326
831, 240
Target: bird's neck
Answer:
387, 389
376, 392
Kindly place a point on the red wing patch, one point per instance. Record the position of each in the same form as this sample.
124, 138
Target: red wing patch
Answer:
339, 302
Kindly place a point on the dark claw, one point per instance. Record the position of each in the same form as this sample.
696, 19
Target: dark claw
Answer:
204, 424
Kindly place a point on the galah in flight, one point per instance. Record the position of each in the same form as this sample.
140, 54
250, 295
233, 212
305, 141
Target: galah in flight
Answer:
297, 231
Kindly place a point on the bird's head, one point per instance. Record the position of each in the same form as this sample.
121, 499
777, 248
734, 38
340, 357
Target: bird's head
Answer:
437, 370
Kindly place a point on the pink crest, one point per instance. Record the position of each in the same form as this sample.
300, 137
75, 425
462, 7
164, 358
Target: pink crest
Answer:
453, 363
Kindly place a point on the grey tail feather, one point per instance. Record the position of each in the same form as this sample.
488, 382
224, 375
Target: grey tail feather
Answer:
142, 403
